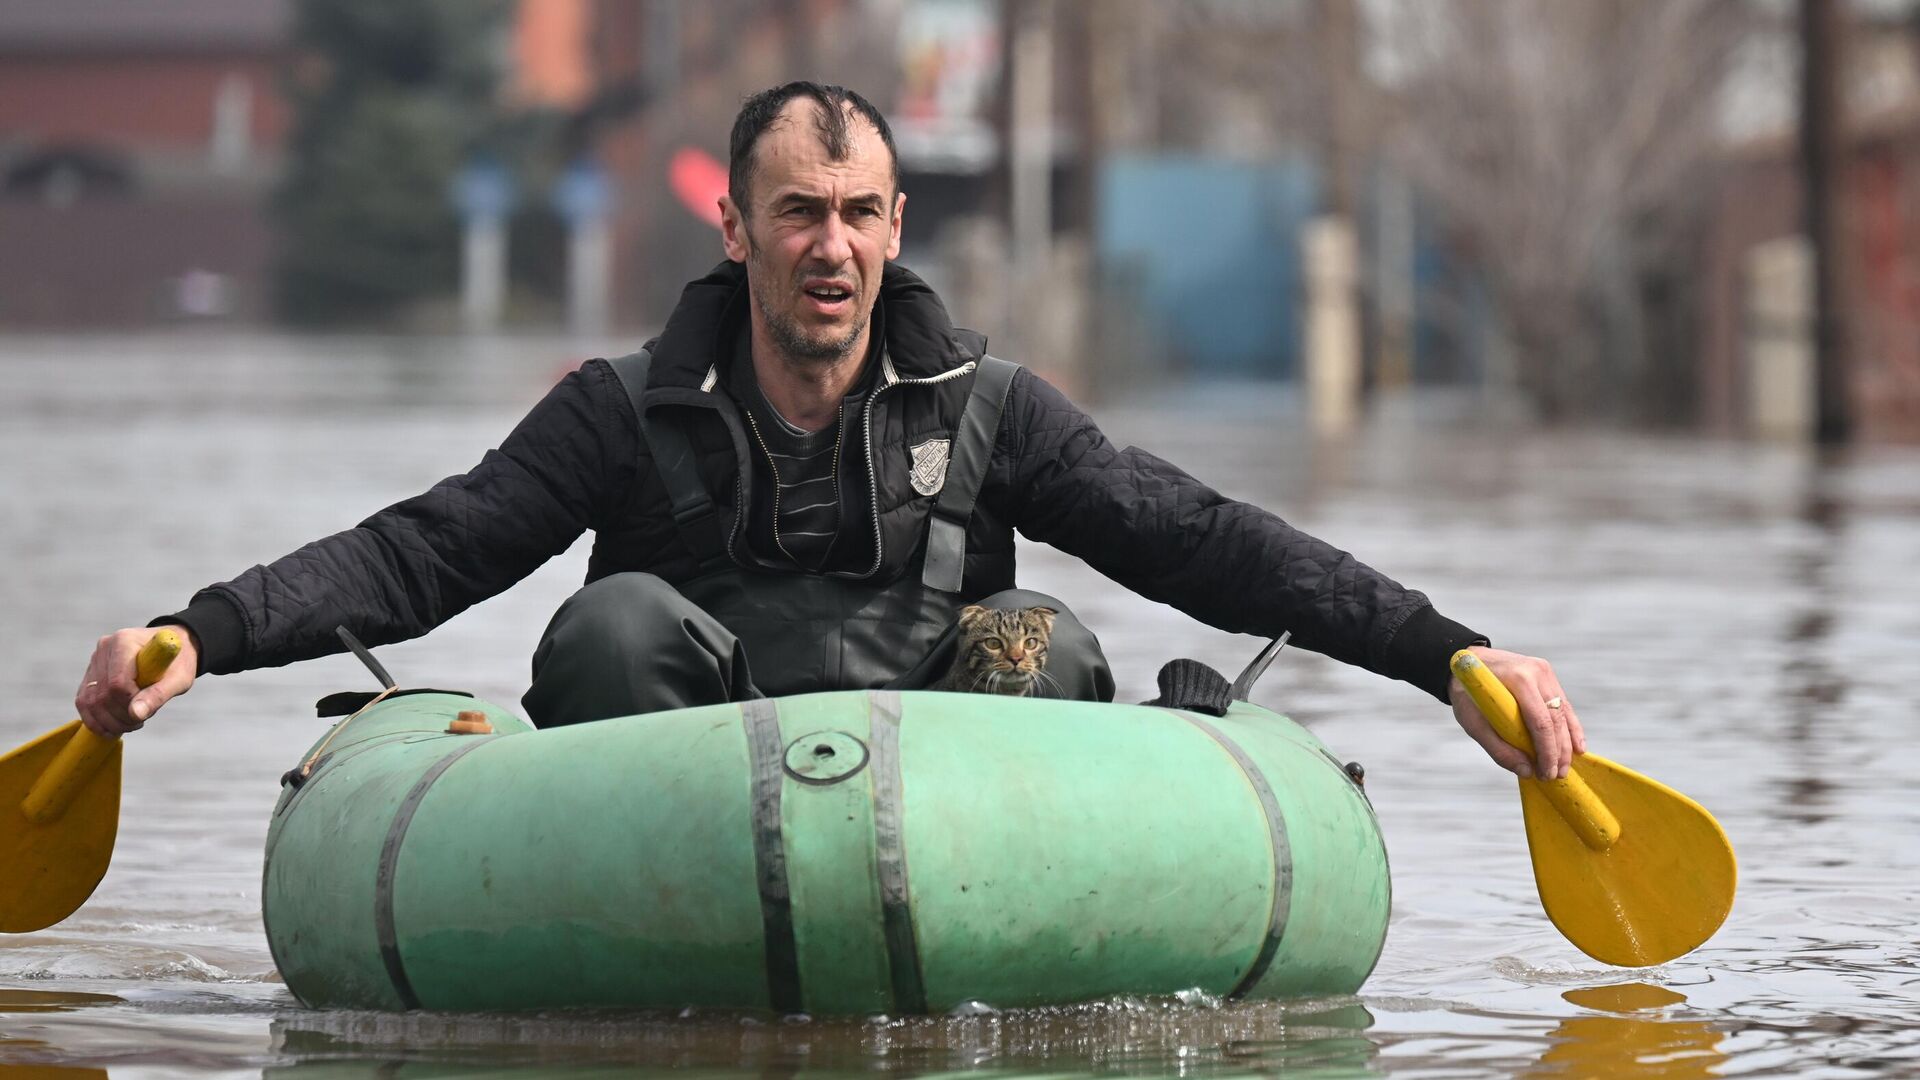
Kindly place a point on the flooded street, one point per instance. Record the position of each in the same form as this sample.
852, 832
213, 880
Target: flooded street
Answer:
1741, 622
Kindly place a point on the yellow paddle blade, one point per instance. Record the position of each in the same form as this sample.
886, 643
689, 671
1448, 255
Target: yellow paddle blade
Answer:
47, 869
1631, 871
60, 811
1658, 892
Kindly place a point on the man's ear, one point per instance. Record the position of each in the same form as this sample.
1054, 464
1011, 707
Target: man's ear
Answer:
733, 230
899, 215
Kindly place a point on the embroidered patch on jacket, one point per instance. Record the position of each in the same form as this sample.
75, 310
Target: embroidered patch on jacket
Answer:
930, 465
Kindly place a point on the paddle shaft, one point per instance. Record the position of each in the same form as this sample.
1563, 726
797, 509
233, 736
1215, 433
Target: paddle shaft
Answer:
85, 752
1589, 817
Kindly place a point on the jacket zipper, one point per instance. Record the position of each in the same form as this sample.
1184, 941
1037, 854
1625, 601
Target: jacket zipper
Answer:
777, 542
873, 481
873, 478
739, 477
739, 490
839, 511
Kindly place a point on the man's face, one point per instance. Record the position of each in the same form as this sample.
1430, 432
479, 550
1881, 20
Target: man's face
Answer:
816, 233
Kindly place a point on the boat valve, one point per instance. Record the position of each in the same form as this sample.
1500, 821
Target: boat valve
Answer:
1357, 773
470, 722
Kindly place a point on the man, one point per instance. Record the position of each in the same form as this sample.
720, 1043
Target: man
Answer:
798, 485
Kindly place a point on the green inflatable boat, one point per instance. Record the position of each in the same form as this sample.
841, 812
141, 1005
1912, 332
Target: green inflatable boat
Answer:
855, 852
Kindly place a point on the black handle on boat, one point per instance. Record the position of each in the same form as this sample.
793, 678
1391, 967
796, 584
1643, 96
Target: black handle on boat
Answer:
1243, 685
366, 657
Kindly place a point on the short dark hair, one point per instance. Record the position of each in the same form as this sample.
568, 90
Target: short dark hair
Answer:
830, 121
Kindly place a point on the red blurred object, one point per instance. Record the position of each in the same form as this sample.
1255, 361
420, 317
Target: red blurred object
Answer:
698, 180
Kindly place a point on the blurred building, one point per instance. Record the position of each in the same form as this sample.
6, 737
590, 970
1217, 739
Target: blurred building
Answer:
1173, 158
136, 144
140, 144
1113, 189
692, 65
1756, 300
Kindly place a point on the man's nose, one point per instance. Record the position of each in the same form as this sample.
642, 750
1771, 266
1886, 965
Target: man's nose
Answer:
833, 243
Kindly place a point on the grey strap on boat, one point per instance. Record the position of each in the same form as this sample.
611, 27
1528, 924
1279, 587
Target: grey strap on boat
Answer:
1282, 899
694, 513
766, 748
890, 850
385, 926
946, 562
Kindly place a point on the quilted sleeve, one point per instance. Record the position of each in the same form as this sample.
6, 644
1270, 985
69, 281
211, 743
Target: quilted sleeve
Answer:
420, 562
1151, 527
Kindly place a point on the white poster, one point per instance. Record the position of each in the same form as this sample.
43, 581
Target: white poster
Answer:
950, 66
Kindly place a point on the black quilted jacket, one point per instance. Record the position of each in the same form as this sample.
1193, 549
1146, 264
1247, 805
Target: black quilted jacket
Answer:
573, 464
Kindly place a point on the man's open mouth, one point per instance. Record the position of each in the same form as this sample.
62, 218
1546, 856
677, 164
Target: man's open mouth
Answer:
829, 293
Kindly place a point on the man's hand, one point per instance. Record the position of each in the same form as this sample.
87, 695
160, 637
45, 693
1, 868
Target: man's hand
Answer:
110, 702
1544, 708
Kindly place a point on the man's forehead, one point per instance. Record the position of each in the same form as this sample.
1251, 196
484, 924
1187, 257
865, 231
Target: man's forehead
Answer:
793, 142
824, 181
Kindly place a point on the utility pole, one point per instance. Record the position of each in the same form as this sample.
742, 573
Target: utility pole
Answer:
1030, 157
1823, 188
1329, 248
1338, 29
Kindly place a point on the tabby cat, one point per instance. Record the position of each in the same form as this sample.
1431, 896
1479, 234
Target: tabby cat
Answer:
1002, 651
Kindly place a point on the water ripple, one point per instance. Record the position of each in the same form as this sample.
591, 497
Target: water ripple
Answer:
1737, 621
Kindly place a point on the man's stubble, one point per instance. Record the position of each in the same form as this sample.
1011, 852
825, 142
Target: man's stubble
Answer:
787, 333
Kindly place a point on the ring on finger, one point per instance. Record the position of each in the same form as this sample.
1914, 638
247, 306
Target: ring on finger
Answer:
1556, 701
92, 683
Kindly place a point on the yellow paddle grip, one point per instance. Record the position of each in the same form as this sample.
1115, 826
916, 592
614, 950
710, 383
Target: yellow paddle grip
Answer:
1596, 825
85, 752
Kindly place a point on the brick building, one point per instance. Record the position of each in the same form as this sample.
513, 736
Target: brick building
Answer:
137, 142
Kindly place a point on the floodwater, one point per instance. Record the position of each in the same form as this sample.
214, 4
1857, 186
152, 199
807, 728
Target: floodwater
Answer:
1739, 621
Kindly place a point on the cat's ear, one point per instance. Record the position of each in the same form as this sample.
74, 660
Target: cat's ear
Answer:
971, 612
1046, 616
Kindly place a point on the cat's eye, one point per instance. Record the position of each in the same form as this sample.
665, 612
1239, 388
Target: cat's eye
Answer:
1032, 643
994, 643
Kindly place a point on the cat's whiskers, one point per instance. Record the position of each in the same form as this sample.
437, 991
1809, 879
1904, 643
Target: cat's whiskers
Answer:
1041, 678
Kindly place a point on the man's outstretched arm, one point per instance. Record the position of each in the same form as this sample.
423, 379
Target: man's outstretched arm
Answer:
399, 573
1148, 525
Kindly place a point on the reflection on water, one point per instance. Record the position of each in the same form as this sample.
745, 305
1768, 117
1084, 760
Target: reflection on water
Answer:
19, 1001
1313, 1039
43, 1001
47, 1072
1739, 622
1639, 1043
1811, 676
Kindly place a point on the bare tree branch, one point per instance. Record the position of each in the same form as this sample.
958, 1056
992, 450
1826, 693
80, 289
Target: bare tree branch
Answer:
1547, 133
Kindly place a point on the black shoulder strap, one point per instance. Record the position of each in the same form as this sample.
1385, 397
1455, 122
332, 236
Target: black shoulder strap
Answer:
693, 511
972, 452
631, 370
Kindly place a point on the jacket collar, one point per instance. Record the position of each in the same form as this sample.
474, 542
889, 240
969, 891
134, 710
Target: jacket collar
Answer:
921, 340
